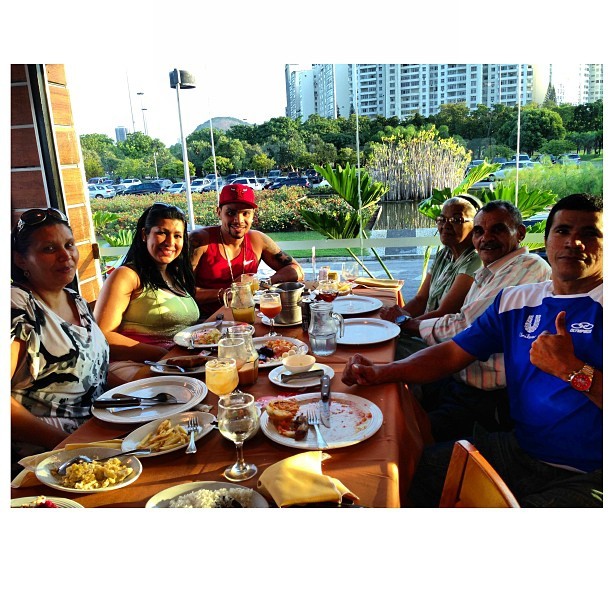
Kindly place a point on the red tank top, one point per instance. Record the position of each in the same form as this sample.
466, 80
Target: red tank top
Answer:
213, 272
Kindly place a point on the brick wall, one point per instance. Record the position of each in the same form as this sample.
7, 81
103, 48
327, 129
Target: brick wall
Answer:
34, 184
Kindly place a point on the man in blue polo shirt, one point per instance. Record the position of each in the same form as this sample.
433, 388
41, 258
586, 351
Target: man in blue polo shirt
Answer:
551, 334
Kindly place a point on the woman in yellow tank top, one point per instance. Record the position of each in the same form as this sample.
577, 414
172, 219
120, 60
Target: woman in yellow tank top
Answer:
149, 298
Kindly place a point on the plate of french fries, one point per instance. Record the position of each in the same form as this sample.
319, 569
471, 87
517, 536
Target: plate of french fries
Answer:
167, 435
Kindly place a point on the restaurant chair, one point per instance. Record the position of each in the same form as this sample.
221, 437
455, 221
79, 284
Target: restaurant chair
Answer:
471, 482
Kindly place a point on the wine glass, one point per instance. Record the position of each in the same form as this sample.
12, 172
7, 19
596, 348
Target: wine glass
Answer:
350, 271
270, 305
238, 418
221, 375
328, 290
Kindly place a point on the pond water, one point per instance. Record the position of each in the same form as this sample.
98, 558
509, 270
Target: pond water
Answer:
402, 215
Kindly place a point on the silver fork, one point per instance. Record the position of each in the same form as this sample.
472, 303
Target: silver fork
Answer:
313, 419
192, 427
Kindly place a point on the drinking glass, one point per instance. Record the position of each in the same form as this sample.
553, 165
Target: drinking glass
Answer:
328, 290
350, 271
270, 306
236, 349
252, 280
221, 375
238, 418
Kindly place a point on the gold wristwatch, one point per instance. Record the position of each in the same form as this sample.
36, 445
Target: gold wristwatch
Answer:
582, 379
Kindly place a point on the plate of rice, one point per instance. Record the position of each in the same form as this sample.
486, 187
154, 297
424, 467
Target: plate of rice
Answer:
207, 495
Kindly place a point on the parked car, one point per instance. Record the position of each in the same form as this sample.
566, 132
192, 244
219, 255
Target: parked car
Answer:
299, 181
293, 174
510, 167
245, 180
163, 183
230, 177
99, 180
143, 188
278, 181
568, 158
177, 188
499, 160
322, 183
100, 191
249, 173
522, 157
130, 181
211, 177
197, 185
214, 185
546, 158
274, 174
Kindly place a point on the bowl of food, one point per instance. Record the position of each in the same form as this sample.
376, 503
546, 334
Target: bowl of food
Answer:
298, 363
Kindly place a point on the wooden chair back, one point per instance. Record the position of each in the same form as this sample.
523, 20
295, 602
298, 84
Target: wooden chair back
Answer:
471, 482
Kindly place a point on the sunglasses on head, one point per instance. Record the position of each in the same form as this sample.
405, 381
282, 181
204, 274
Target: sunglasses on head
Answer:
34, 216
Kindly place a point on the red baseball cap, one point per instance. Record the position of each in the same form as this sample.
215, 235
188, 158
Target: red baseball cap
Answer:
237, 194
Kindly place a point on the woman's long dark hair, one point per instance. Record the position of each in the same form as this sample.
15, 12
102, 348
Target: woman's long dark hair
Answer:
139, 259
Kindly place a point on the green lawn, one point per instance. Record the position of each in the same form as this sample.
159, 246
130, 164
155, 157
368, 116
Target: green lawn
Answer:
286, 236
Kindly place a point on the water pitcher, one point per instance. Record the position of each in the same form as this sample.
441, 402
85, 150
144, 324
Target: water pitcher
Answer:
240, 299
324, 325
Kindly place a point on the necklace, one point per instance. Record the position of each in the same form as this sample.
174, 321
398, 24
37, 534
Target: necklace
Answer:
229, 263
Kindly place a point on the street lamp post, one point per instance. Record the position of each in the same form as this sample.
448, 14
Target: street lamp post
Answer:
181, 79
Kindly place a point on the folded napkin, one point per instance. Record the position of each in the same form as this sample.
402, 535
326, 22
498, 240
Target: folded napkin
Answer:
298, 480
26, 478
385, 283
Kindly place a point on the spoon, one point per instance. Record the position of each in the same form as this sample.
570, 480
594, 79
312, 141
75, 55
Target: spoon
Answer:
61, 470
160, 397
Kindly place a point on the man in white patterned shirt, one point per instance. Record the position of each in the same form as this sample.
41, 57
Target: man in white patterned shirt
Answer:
478, 393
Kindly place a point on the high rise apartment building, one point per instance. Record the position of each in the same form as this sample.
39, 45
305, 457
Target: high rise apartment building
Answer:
401, 90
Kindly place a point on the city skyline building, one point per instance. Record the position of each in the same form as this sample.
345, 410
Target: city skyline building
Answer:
121, 133
401, 90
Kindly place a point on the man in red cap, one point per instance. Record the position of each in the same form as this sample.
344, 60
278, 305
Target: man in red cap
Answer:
222, 253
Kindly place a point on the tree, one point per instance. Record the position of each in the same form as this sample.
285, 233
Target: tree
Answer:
224, 165
537, 126
92, 164
456, 117
261, 163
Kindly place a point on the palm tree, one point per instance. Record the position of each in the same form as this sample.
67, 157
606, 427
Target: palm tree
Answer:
362, 194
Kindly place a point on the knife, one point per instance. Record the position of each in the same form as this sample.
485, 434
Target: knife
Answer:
117, 405
301, 375
324, 403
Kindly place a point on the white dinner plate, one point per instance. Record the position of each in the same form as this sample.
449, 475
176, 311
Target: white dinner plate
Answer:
205, 421
60, 502
173, 372
355, 305
183, 337
352, 420
367, 331
266, 321
189, 390
163, 498
275, 374
301, 347
44, 470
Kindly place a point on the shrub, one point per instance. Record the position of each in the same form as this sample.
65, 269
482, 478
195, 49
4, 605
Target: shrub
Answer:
278, 210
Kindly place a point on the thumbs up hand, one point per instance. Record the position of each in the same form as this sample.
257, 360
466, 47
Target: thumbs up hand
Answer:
554, 353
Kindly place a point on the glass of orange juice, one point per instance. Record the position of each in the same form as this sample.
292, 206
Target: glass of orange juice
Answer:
221, 375
252, 280
270, 305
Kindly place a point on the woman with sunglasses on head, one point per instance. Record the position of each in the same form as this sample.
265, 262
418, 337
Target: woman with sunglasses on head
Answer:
149, 298
59, 356
451, 275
